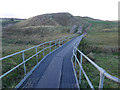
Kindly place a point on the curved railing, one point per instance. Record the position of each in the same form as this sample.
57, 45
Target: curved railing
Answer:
58, 42
103, 73
50, 44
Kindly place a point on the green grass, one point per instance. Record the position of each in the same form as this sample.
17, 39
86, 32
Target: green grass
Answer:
107, 62
7, 22
101, 41
103, 36
101, 45
13, 78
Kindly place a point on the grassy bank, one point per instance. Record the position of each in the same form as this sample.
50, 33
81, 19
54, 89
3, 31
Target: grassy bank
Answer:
17, 39
101, 45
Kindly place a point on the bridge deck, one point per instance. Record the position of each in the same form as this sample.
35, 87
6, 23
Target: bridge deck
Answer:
55, 71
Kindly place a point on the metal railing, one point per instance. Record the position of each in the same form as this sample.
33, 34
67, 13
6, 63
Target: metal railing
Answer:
103, 73
50, 44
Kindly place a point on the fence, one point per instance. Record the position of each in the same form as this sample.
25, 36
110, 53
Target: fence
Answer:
50, 44
103, 73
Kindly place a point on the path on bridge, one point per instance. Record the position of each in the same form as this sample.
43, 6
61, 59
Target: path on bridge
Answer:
55, 71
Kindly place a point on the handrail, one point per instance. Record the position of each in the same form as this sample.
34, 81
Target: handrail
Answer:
55, 42
101, 70
32, 47
83, 71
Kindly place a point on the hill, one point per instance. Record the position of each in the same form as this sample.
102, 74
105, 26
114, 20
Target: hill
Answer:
53, 19
91, 19
11, 18
42, 28
101, 41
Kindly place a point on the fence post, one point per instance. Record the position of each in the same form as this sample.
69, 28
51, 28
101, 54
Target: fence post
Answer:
59, 42
55, 44
36, 55
75, 63
72, 58
50, 45
62, 41
23, 56
73, 55
101, 81
43, 50
65, 40
80, 69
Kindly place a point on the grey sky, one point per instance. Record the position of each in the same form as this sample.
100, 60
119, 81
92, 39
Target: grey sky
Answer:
99, 9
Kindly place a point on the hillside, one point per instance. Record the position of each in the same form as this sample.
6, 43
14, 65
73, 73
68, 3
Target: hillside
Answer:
101, 45
101, 41
41, 28
53, 19
91, 19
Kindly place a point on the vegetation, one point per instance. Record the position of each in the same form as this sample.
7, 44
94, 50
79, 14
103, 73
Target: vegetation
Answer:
12, 79
53, 19
15, 40
101, 45
6, 22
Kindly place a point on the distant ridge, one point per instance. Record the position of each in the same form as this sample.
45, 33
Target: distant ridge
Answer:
53, 19
91, 19
11, 18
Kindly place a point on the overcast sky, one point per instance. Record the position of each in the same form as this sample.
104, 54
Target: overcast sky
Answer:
99, 9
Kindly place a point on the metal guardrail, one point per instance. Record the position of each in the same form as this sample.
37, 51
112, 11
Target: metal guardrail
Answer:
50, 43
103, 73
58, 42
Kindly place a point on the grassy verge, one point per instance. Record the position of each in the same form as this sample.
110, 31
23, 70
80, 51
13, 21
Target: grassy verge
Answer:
101, 46
13, 78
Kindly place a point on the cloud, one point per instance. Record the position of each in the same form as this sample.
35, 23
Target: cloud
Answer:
100, 9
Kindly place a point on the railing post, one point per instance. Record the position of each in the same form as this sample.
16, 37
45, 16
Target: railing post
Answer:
62, 42
75, 51
80, 69
43, 50
75, 63
101, 81
50, 45
23, 56
36, 55
72, 58
55, 44
59, 42
65, 40
73, 55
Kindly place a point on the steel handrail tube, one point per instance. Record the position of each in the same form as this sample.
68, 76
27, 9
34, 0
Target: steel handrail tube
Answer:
20, 52
11, 70
101, 69
112, 77
83, 72
23, 51
27, 49
19, 65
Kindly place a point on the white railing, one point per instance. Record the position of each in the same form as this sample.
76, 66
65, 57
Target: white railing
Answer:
50, 44
103, 73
